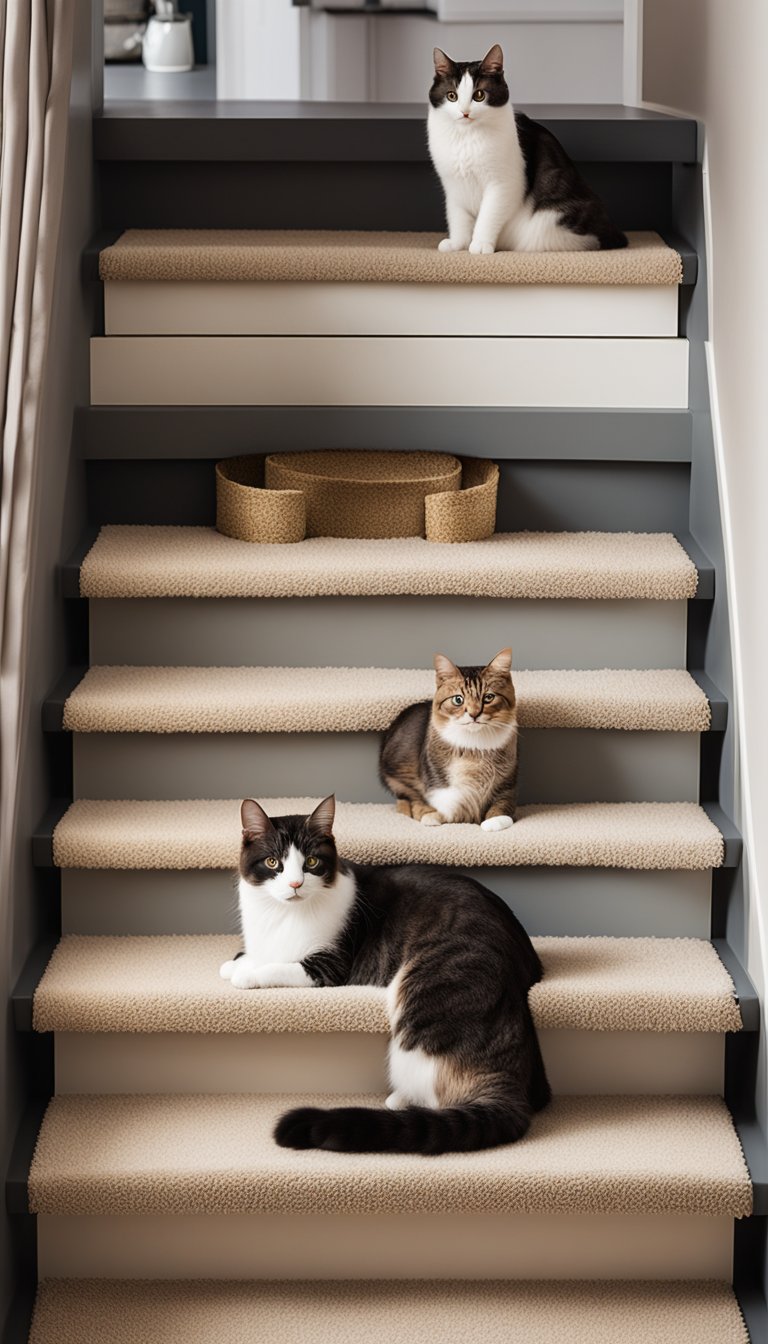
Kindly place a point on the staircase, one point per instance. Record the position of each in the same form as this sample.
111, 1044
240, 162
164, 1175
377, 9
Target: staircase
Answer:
203, 670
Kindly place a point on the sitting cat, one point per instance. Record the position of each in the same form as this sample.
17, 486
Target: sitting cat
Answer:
455, 758
509, 184
464, 1060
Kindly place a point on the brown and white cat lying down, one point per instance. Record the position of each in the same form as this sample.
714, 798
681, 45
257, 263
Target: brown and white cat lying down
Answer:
465, 1067
454, 758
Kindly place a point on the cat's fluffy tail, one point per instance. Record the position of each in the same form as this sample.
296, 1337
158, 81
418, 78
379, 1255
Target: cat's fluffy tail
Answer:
417, 1129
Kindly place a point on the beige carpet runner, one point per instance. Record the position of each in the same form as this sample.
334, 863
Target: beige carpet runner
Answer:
102, 1311
199, 562
381, 258
216, 1154
343, 699
151, 984
206, 834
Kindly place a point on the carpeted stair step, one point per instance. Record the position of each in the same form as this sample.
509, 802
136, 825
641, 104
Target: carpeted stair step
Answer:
632, 1016
199, 834
339, 699
564, 600
191, 1186
281, 283
226, 255
143, 561
406, 1312
172, 984
154, 1155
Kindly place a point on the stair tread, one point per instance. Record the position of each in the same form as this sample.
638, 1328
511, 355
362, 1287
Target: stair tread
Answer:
146, 561
216, 1154
172, 984
94, 833
105, 1311
344, 699
337, 256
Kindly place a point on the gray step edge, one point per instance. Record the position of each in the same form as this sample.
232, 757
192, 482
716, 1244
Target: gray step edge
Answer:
562, 434
363, 132
733, 842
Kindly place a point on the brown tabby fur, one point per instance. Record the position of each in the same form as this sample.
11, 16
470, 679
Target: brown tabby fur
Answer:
419, 758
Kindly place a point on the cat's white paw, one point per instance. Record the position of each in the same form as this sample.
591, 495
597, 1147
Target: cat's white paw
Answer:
431, 819
244, 974
395, 1102
496, 824
226, 968
481, 249
448, 245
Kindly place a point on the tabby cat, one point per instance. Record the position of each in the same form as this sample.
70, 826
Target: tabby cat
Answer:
465, 1067
455, 758
509, 184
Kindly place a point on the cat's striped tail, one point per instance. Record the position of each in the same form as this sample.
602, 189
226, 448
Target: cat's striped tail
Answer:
417, 1129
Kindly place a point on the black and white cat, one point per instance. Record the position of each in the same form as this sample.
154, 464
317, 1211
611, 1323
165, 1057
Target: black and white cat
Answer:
509, 184
465, 1067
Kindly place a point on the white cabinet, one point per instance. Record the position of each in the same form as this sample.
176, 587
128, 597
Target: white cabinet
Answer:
557, 51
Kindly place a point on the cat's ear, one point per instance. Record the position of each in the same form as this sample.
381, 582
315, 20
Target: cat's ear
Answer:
322, 818
493, 61
443, 64
256, 823
445, 668
502, 663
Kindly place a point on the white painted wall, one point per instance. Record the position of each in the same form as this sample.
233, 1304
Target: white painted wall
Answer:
707, 57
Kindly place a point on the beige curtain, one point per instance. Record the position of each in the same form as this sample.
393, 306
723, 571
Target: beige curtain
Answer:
36, 64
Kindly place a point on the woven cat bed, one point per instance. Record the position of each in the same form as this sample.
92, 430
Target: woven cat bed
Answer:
333, 493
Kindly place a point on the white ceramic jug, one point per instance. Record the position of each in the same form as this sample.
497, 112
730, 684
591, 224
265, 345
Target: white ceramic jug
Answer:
167, 46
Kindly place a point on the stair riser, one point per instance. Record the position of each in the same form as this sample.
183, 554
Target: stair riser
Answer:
372, 185
556, 766
615, 1063
385, 632
533, 495
389, 371
557, 901
535, 1246
242, 308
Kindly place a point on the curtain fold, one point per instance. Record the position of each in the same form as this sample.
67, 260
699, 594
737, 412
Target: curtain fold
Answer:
36, 69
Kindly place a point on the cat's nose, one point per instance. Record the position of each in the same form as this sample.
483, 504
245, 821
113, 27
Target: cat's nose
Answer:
296, 885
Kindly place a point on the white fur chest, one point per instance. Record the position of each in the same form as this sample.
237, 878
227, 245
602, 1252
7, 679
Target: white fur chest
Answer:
470, 158
472, 779
275, 931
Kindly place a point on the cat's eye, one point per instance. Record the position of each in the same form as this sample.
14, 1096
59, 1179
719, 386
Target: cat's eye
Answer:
452, 96
311, 862
488, 697
457, 699
478, 96
272, 863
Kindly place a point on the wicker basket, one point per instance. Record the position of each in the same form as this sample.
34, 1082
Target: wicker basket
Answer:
336, 493
247, 512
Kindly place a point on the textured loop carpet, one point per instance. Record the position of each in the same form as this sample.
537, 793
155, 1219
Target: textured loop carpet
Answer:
342, 699
199, 562
206, 834
149, 984
216, 1154
381, 1312
325, 255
